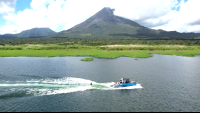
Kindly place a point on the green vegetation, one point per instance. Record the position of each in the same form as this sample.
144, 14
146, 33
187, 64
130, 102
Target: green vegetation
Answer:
96, 42
108, 51
87, 59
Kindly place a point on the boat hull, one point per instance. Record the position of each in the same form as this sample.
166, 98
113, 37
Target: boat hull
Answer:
125, 85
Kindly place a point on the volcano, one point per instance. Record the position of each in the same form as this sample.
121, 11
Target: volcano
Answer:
104, 24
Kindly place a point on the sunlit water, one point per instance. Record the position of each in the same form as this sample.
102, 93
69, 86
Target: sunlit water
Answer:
35, 84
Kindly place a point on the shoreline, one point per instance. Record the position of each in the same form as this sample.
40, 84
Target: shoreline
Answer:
95, 53
104, 51
139, 45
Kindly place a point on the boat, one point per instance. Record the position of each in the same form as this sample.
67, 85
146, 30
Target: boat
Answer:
125, 82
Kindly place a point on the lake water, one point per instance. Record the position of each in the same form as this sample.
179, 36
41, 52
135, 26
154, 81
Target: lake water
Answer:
61, 84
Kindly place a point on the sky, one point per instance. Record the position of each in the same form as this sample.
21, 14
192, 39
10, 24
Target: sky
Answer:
58, 15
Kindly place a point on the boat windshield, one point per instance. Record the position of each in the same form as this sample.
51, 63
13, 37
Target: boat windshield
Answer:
124, 80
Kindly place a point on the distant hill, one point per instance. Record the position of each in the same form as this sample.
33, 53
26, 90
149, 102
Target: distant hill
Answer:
34, 32
104, 24
7, 36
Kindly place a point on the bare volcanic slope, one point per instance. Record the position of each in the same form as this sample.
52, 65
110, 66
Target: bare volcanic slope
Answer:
104, 24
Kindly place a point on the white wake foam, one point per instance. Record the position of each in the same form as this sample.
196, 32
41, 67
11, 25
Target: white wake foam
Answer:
62, 85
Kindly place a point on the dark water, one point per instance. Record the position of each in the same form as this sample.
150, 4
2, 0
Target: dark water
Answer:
59, 84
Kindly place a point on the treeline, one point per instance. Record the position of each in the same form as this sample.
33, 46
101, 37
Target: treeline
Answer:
152, 48
106, 47
96, 42
44, 47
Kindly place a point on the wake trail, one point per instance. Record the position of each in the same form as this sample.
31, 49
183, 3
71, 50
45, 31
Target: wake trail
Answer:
39, 87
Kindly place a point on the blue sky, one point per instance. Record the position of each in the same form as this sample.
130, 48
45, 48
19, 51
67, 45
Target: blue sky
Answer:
178, 8
22, 4
58, 15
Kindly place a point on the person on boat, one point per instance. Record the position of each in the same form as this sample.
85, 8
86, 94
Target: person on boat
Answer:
134, 81
115, 84
91, 84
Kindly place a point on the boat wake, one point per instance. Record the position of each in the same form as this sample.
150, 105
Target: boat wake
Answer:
40, 87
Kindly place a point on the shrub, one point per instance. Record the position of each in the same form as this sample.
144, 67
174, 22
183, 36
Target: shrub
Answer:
87, 59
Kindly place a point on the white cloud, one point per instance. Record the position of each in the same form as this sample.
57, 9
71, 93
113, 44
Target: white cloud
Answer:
8, 29
189, 12
7, 6
157, 14
186, 19
39, 4
145, 9
195, 28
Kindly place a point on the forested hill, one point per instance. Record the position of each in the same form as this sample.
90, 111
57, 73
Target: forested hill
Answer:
104, 24
34, 32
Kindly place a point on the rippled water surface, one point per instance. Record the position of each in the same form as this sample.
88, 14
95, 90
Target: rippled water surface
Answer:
38, 84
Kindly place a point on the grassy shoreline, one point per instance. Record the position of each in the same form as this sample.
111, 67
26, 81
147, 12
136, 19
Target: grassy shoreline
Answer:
137, 51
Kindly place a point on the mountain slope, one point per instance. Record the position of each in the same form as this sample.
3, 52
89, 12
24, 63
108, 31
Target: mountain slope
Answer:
7, 36
35, 32
104, 24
